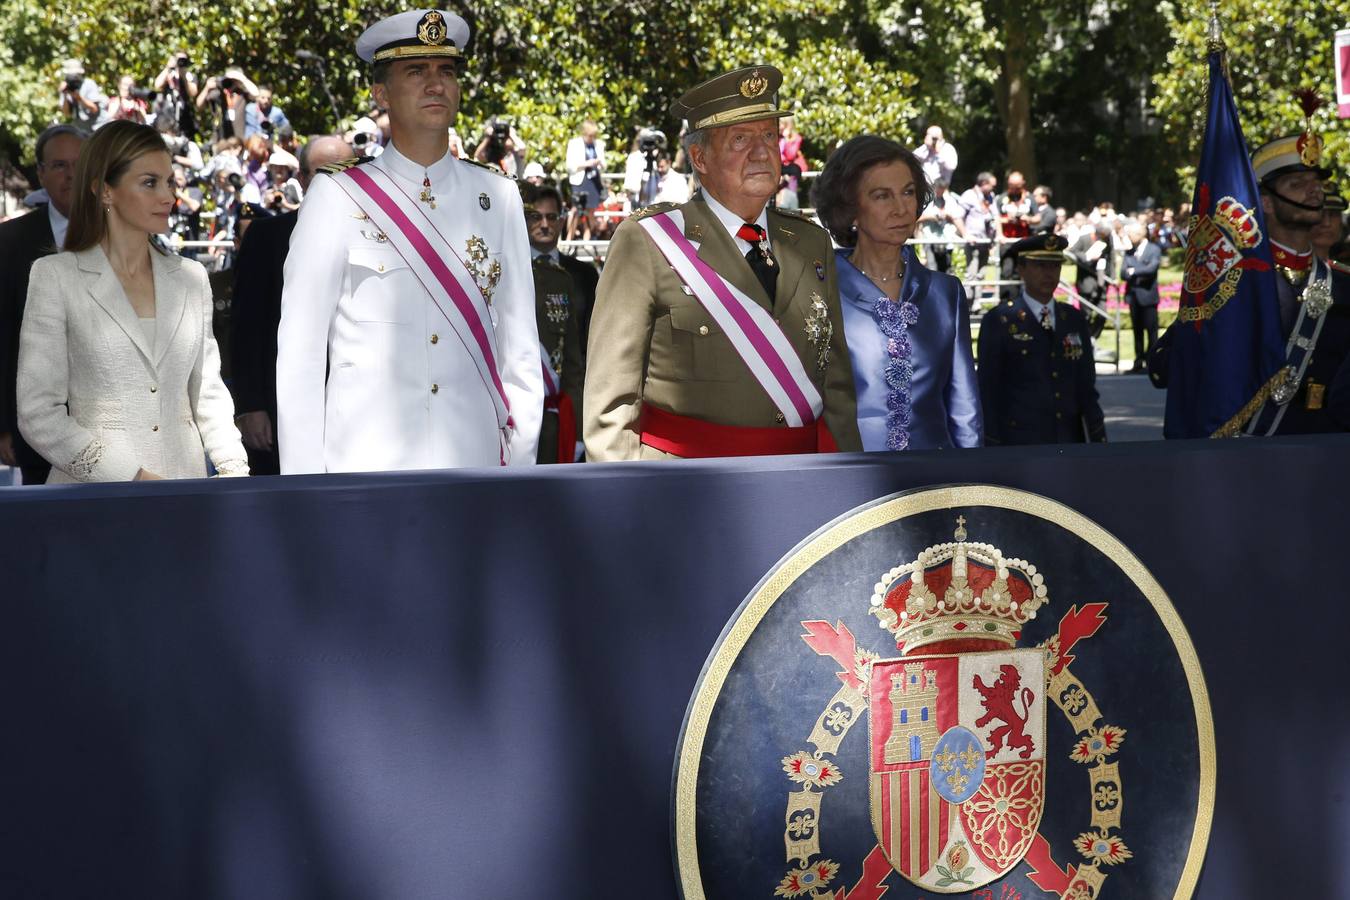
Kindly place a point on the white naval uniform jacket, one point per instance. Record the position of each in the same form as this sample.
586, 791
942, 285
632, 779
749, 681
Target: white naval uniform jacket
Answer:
370, 375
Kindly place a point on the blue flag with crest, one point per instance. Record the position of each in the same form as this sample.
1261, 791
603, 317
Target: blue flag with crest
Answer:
1225, 345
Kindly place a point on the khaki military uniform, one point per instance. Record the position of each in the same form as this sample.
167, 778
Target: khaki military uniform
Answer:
556, 314
652, 342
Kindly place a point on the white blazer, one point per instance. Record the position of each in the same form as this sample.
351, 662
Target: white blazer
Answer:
576, 159
96, 400
370, 374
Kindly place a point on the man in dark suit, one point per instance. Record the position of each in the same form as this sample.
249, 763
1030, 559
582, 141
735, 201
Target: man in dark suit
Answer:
1139, 271
22, 241
545, 229
257, 313
1038, 379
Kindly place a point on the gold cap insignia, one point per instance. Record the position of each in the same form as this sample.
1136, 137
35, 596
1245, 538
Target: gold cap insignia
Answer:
753, 85
1310, 149
431, 30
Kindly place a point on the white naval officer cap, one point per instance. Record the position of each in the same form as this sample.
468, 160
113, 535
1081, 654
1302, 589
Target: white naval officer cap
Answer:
417, 33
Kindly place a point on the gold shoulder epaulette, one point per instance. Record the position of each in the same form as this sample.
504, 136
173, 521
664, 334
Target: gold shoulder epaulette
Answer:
653, 210
343, 165
1339, 266
495, 170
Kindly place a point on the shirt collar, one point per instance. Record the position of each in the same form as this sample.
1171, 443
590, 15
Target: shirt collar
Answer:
1290, 258
1036, 306
732, 222
551, 254
59, 224
400, 165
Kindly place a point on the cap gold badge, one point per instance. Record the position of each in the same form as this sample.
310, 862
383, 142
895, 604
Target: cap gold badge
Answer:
431, 30
753, 85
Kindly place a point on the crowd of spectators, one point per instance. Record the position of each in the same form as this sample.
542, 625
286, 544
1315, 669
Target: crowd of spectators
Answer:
234, 152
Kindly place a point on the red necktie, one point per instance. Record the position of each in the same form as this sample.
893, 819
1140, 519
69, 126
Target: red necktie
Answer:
760, 259
751, 234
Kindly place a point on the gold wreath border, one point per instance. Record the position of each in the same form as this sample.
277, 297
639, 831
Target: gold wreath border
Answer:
834, 535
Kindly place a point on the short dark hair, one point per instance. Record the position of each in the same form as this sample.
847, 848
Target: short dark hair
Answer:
55, 131
836, 190
1044, 191
379, 71
531, 194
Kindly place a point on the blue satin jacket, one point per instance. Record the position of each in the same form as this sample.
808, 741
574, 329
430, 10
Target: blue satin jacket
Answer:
944, 394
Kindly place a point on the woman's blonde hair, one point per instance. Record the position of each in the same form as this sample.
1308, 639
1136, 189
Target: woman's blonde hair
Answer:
104, 159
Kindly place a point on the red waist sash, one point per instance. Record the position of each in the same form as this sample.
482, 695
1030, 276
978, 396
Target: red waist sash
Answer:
691, 438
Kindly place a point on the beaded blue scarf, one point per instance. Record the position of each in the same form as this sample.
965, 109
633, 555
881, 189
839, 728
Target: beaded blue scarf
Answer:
895, 319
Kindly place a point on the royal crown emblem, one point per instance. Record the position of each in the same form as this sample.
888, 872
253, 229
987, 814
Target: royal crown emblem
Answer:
431, 29
983, 597
1218, 241
990, 769
753, 85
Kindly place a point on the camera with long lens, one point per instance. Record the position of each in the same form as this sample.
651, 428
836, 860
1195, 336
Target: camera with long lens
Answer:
143, 94
236, 180
267, 127
73, 83
182, 61
496, 148
651, 142
360, 140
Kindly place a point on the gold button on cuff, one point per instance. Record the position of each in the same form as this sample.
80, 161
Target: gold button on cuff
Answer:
435, 388
1059, 415
435, 338
381, 267
703, 329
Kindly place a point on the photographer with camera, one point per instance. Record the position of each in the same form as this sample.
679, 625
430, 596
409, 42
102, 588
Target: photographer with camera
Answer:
365, 138
285, 193
176, 91
641, 180
131, 102
261, 117
82, 103
229, 94
502, 147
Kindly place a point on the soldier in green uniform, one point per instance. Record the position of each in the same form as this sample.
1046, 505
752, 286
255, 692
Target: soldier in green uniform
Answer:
740, 350
564, 368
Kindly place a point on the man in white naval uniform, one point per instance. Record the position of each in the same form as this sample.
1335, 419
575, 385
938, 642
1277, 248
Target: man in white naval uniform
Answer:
372, 371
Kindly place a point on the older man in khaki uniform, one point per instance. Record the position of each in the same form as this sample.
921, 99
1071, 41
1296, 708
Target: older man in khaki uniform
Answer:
717, 329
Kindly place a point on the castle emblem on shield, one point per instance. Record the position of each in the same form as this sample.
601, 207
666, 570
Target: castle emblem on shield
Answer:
957, 732
903, 709
957, 723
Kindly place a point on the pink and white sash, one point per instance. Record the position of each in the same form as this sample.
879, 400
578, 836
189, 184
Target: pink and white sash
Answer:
754, 334
552, 383
437, 266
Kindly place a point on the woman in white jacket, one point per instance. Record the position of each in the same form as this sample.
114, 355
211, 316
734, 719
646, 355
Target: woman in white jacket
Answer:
119, 374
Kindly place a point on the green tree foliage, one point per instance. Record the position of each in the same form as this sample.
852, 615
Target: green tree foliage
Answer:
1079, 94
1274, 48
